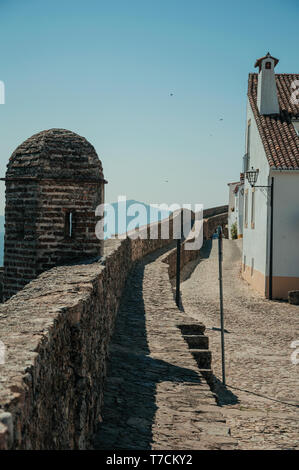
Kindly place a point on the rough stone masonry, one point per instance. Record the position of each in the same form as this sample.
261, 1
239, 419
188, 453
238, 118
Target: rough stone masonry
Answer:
57, 332
54, 182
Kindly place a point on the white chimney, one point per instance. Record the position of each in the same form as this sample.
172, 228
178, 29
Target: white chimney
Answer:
267, 98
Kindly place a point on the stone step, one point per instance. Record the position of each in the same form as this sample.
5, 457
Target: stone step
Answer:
203, 357
192, 328
197, 341
212, 428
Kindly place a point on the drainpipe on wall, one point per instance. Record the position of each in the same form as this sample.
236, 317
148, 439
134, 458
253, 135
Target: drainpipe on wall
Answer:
271, 240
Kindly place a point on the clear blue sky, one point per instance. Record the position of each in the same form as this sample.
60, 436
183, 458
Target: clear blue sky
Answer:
105, 69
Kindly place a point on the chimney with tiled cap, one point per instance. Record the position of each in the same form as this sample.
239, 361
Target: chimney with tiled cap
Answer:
267, 98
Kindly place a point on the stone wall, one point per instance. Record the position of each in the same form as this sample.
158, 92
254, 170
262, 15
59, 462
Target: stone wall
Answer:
209, 226
35, 221
186, 257
214, 211
56, 332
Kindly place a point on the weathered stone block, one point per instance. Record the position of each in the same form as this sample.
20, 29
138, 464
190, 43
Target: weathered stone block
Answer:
293, 297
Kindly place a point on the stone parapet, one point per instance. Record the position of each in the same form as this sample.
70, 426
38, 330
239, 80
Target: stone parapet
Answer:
56, 333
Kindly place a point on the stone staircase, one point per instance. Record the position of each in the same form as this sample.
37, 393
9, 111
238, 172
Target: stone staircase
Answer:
198, 344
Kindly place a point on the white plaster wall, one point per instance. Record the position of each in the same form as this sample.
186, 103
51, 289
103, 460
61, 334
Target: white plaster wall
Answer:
255, 240
286, 223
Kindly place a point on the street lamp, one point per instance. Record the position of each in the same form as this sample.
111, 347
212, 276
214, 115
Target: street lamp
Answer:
252, 176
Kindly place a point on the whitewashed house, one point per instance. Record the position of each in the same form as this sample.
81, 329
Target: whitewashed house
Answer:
235, 208
271, 202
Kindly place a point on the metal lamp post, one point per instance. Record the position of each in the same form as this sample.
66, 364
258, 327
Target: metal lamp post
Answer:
220, 259
178, 263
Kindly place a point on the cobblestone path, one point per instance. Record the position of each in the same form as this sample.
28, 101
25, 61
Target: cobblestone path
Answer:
261, 400
156, 396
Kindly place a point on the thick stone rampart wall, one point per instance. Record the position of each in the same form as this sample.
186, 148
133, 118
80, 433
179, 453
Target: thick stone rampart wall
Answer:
56, 333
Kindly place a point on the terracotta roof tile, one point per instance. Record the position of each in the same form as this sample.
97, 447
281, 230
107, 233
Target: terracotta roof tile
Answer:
280, 140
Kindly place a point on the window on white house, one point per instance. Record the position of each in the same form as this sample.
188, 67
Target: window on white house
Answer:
246, 209
252, 208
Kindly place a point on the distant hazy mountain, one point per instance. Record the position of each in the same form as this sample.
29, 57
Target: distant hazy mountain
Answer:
120, 219
117, 220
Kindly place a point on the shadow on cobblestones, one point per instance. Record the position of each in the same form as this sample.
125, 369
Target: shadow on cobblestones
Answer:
206, 249
224, 395
258, 367
132, 378
264, 396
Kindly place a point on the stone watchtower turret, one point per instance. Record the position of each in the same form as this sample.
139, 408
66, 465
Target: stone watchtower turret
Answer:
54, 182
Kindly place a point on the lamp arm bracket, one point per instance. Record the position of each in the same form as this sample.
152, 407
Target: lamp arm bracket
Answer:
269, 186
